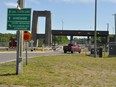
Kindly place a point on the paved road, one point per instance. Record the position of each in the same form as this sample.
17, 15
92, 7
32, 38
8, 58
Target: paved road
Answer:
10, 56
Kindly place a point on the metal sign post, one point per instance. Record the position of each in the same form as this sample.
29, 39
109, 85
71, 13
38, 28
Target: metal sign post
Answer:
19, 46
26, 49
26, 37
19, 53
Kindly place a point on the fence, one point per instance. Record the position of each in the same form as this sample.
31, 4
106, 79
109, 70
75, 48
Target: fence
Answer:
4, 44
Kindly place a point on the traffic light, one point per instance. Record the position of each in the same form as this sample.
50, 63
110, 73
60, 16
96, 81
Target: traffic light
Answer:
27, 36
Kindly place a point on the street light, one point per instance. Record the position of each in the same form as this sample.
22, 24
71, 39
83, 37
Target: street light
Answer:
95, 33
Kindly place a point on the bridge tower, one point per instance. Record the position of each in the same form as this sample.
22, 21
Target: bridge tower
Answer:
47, 35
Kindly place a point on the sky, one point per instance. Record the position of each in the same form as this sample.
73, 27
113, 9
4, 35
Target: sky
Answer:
66, 14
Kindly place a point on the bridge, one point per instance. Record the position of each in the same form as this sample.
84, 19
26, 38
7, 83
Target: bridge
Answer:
79, 33
88, 33
50, 33
71, 33
75, 33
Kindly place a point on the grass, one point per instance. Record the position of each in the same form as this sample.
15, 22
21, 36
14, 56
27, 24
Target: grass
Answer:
68, 70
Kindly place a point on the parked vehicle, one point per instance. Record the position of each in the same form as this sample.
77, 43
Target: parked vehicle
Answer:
71, 48
12, 43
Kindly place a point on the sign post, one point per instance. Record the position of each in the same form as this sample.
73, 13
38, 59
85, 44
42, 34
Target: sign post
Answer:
27, 36
19, 53
26, 48
31, 44
19, 46
19, 19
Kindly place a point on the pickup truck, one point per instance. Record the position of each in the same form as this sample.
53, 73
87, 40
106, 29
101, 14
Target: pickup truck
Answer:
71, 48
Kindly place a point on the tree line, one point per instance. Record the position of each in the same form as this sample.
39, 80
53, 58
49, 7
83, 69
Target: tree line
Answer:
5, 37
58, 39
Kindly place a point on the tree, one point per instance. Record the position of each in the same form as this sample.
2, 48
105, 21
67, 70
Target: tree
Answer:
5, 37
61, 39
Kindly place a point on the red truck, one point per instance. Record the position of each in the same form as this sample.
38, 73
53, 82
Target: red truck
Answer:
71, 48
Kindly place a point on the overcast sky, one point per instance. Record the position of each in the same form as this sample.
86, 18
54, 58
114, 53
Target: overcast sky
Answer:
69, 14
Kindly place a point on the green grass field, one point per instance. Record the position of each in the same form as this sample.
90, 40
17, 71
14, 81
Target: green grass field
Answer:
68, 70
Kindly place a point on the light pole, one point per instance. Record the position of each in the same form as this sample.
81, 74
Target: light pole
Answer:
19, 43
108, 38
95, 33
115, 26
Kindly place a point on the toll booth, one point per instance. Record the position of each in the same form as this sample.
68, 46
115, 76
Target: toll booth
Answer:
12, 43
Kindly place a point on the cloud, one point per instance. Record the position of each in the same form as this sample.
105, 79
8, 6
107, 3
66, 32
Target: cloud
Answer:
10, 4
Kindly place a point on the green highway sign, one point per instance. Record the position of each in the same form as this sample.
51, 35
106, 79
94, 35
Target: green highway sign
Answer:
18, 19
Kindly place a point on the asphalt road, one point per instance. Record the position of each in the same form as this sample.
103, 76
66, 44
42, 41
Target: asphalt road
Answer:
10, 56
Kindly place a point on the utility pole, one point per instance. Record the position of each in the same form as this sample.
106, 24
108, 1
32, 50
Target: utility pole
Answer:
95, 33
108, 38
19, 44
115, 26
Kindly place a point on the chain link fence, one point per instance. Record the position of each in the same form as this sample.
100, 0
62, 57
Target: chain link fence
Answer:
4, 44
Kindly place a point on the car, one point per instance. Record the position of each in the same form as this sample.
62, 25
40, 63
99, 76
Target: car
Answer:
71, 48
